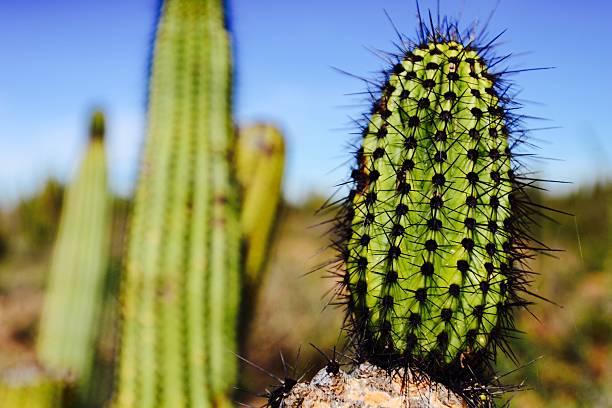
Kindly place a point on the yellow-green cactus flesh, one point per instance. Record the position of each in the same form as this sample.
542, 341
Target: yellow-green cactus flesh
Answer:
429, 246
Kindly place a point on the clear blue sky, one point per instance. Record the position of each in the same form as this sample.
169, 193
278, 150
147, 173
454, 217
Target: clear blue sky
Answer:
60, 58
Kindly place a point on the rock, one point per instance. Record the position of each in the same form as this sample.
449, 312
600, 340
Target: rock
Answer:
368, 386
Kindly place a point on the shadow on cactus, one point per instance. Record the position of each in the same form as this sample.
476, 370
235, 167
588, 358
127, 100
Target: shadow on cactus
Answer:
433, 237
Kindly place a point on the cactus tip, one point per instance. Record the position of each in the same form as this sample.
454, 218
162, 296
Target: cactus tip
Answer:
98, 126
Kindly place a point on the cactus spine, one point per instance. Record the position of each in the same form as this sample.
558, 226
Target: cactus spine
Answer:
430, 240
181, 292
67, 334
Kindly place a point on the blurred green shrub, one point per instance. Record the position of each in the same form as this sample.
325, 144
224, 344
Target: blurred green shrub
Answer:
39, 215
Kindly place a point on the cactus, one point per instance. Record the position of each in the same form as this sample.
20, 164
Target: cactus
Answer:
29, 387
260, 157
432, 233
259, 161
66, 341
181, 293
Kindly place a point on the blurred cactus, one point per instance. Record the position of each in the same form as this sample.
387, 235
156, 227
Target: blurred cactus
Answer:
260, 157
181, 293
29, 388
66, 341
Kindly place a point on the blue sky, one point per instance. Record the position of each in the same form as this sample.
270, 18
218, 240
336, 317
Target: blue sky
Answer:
60, 58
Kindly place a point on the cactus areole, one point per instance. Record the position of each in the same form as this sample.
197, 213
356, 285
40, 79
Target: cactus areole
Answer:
433, 231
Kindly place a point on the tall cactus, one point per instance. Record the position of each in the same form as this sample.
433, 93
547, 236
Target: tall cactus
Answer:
66, 341
432, 231
181, 292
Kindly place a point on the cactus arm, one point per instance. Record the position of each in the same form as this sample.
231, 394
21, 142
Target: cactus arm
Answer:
259, 166
259, 162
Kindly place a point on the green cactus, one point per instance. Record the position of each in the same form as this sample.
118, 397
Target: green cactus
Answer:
429, 223
260, 157
66, 340
259, 162
181, 292
29, 387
